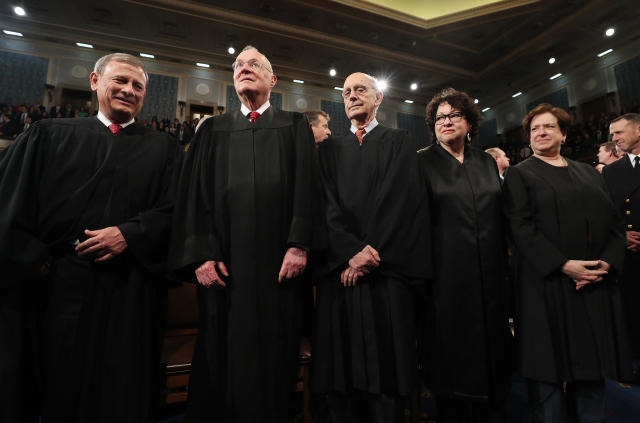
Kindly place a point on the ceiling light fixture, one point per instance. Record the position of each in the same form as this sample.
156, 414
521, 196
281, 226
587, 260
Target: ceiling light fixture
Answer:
17, 34
85, 45
609, 32
338, 88
231, 50
486, 109
414, 86
147, 55
519, 93
298, 81
604, 53
332, 72
476, 101
203, 65
557, 75
382, 84
552, 60
409, 101
19, 11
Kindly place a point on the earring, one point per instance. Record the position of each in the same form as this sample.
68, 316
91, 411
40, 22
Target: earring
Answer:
469, 136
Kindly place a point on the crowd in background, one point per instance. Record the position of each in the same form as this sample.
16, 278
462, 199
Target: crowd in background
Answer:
16, 118
582, 142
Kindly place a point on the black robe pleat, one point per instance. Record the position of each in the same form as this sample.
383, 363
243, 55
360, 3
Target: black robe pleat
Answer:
365, 335
466, 343
100, 326
246, 195
555, 215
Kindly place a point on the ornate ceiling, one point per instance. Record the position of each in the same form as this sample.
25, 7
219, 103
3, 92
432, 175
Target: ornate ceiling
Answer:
488, 48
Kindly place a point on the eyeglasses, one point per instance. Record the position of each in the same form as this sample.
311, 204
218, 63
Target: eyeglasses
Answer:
253, 64
454, 117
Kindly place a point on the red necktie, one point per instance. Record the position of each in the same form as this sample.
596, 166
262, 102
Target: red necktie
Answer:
253, 116
359, 133
114, 128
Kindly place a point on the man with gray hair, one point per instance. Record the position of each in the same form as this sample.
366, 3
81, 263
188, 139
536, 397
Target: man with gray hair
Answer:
319, 121
378, 260
83, 239
243, 229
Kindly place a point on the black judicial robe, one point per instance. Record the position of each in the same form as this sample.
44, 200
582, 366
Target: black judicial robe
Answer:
623, 182
246, 195
556, 214
100, 324
466, 341
365, 334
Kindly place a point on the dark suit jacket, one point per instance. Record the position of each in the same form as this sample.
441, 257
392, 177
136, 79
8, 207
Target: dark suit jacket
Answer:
624, 185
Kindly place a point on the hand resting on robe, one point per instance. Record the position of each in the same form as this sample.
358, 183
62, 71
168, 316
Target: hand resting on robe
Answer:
359, 265
293, 264
103, 244
633, 241
584, 272
207, 275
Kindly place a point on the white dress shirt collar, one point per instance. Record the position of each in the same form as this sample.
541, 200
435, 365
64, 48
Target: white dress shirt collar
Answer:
245, 110
102, 118
367, 128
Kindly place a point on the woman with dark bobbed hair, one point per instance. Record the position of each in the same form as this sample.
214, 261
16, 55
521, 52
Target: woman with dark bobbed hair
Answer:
465, 345
569, 245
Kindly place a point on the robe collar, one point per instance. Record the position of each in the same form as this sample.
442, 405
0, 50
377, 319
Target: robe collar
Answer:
245, 110
367, 129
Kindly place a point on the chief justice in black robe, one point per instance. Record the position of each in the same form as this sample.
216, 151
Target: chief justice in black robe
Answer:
83, 238
364, 355
245, 202
466, 341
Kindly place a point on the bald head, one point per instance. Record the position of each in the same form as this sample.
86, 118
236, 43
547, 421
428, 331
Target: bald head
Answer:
361, 98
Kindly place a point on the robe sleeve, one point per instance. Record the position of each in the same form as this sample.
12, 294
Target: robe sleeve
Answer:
527, 237
301, 230
343, 243
147, 234
20, 171
194, 239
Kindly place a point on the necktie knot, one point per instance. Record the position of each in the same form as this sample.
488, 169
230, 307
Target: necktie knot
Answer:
637, 160
253, 116
114, 128
359, 133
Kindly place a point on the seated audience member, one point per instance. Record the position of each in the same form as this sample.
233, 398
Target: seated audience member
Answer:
607, 153
319, 122
8, 128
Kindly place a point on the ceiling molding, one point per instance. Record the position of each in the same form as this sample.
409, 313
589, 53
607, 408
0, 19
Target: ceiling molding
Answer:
255, 23
464, 15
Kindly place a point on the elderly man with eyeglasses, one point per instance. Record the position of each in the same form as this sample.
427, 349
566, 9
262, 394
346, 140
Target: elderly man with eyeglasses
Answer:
242, 231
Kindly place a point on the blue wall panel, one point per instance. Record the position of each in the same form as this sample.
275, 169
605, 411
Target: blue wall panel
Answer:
22, 77
161, 98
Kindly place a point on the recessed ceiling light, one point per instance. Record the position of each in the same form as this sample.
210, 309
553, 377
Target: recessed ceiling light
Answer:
476, 101
609, 32
552, 60
604, 53
382, 84
85, 45
231, 50
298, 81
17, 34
557, 75
203, 65
332, 72
338, 88
409, 101
519, 93
414, 86
486, 109
19, 11
147, 55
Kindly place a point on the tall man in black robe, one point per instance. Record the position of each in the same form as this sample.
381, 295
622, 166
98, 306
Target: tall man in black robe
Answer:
243, 229
83, 240
623, 180
378, 258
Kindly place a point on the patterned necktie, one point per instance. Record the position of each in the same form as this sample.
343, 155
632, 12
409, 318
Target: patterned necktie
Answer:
253, 116
114, 128
359, 133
